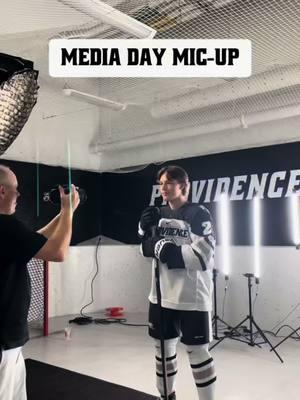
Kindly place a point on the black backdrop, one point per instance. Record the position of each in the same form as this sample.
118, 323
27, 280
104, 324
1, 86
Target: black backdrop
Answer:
126, 195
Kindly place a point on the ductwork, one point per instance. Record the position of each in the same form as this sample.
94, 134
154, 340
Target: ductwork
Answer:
84, 31
97, 9
260, 83
178, 134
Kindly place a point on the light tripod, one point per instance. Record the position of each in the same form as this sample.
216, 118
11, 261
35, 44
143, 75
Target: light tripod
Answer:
249, 337
287, 337
216, 319
297, 329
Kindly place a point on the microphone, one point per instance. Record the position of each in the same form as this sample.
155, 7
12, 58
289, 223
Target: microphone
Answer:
153, 230
156, 213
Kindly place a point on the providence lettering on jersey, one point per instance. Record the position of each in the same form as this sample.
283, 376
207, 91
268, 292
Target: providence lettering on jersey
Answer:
167, 231
188, 285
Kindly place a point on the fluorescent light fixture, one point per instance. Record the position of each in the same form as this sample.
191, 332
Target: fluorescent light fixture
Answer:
257, 235
97, 101
225, 232
97, 9
294, 218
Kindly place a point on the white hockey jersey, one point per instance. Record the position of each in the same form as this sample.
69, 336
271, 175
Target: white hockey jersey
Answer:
188, 285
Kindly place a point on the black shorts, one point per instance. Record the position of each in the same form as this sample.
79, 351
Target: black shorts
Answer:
193, 327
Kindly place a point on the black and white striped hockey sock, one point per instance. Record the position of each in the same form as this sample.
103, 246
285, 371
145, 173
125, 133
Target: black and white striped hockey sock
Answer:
203, 370
171, 365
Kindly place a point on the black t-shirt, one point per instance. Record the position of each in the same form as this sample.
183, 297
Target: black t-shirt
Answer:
18, 245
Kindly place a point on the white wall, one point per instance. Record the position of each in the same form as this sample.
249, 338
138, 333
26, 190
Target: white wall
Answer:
278, 291
274, 132
124, 280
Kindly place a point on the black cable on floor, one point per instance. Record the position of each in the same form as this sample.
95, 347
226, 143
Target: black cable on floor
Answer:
81, 320
121, 321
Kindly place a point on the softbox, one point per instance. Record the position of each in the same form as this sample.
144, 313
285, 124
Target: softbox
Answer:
18, 95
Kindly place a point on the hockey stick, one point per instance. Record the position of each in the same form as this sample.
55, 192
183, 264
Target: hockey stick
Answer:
162, 343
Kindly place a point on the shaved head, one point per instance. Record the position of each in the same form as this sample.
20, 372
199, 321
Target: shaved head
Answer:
4, 174
8, 190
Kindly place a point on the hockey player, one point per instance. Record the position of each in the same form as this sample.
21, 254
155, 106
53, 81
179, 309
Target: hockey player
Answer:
184, 244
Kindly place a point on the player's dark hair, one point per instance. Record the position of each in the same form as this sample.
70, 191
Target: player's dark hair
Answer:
174, 172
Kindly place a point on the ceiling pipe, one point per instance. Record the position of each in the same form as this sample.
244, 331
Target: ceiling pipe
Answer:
96, 100
244, 121
84, 31
97, 9
257, 84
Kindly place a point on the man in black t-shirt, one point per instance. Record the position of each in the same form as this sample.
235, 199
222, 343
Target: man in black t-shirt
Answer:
18, 245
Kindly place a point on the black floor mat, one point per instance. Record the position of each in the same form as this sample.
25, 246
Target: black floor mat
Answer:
47, 382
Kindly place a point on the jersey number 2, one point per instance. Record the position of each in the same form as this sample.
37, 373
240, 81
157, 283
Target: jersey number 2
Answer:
207, 228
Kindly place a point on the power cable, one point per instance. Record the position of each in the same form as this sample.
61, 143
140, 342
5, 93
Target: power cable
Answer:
121, 321
286, 317
86, 319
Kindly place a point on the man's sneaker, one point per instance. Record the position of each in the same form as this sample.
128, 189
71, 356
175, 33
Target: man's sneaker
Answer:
171, 396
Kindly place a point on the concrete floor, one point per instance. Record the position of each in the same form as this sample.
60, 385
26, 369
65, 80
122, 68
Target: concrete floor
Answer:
124, 355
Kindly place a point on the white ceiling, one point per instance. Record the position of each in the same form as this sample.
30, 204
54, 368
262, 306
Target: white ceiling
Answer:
190, 108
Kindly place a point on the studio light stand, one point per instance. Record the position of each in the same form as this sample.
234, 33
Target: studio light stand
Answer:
296, 238
248, 337
216, 319
287, 337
